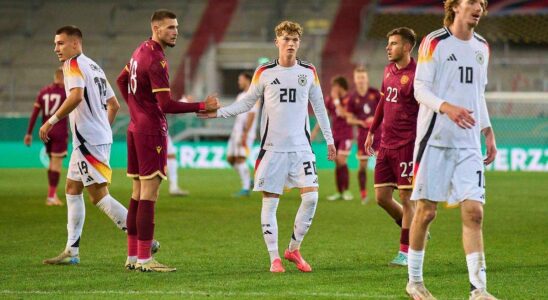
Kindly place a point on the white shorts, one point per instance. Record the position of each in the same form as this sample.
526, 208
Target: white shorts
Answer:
276, 170
90, 164
449, 174
171, 150
235, 148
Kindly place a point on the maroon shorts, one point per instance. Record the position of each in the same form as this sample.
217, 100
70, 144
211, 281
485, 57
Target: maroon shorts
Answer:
343, 145
362, 136
394, 167
57, 146
146, 155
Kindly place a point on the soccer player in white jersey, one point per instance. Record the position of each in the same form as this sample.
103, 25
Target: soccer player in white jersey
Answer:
286, 86
242, 137
172, 166
450, 84
91, 107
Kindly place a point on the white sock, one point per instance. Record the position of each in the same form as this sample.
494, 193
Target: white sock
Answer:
476, 269
415, 260
114, 210
270, 226
243, 171
172, 175
303, 220
76, 215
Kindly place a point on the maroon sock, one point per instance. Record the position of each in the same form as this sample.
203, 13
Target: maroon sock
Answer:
404, 240
131, 223
362, 178
53, 181
345, 179
338, 179
145, 228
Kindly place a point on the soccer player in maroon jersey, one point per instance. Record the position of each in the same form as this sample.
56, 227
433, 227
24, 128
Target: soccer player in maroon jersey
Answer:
144, 84
397, 112
49, 99
361, 108
342, 134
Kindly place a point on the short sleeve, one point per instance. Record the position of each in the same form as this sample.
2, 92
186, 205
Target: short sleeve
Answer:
74, 77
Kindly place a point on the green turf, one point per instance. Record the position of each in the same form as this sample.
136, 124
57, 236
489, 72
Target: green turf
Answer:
215, 242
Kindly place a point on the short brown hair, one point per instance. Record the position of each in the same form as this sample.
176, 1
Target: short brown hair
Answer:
246, 75
406, 34
289, 27
340, 81
70, 30
161, 14
450, 14
360, 69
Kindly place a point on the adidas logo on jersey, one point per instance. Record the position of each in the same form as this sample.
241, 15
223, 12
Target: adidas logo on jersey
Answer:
89, 179
276, 81
452, 58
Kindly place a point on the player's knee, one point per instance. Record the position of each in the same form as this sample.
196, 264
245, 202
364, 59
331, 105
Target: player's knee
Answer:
426, 215
383, 200
73, 187
474, 216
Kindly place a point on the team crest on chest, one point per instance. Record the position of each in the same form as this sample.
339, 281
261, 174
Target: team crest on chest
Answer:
479, 57
158, 149
302, 79
404, 79
163, 63
366, 108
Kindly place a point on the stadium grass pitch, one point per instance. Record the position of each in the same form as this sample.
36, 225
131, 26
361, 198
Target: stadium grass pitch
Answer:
216, 244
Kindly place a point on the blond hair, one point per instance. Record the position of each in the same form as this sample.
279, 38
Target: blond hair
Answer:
450, 14
289, 27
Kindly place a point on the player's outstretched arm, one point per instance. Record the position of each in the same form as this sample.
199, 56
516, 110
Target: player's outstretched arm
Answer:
169, 106
112, 109
74, 98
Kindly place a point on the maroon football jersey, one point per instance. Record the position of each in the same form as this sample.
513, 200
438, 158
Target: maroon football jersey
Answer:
148, 74
49, 100
363, 107
399, 124
341, 129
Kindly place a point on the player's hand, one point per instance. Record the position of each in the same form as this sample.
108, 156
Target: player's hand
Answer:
44, 130
207, 114
212, 103
491, 146
460, 115
27, 140
368, 145
313, 135
331, 152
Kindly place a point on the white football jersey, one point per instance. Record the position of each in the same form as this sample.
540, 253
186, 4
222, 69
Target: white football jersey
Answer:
89, 120
452, 70
241, 121
285, 93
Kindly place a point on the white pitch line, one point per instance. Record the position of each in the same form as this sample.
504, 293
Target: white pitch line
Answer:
202, 293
